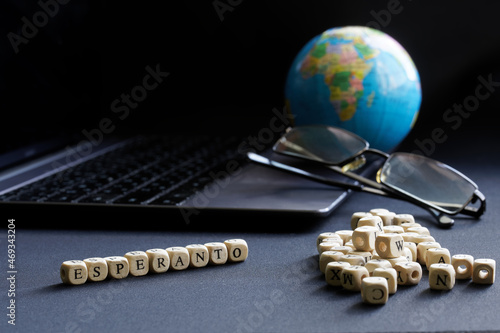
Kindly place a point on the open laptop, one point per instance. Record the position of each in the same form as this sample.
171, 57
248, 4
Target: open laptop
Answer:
144, 108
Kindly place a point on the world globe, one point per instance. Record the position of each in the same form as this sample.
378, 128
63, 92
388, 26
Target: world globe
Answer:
356, 78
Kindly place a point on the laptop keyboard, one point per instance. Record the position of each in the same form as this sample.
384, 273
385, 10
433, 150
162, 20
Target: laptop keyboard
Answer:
147, 171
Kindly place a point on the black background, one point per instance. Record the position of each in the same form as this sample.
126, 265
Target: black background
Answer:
225, 68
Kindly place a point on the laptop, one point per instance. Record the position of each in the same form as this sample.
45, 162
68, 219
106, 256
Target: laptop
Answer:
148, 108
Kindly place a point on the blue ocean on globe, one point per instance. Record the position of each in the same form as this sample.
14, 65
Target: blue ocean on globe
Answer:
359, 79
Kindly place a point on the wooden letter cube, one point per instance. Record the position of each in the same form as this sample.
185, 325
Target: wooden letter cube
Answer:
413, 249
97, 269
159, 261
345, 235
399, 219
372, 264
363, 238
198, 255
217, 253
386, 217
353, 259
441, 276
389, 245
328, 245
352, 277
179, 257
419, 230
333, 272
237, 250
391, 275
118, 267
74, 272
325, 235
138, 262
394, 229
327, 257
463, 264
374, 290
484, 271
371, 221
409, 273
356, 217
422, 250
437, 256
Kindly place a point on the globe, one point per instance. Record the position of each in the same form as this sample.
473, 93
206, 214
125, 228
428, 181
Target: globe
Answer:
356, 78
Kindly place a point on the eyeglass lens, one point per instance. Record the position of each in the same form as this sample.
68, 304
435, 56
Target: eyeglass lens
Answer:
322, 144
428, 180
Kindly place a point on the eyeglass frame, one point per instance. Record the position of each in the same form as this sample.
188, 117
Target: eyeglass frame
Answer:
375, 187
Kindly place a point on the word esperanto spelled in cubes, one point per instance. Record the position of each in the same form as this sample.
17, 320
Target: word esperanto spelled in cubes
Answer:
139, 263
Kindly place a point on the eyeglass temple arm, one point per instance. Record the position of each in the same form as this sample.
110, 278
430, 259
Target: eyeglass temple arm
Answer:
442, 219
473, 211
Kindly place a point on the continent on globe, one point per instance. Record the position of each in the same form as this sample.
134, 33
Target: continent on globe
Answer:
357, 78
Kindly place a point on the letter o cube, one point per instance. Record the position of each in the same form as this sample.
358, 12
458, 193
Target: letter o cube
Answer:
352, 277
389, 245
463, 264
441, 276
409, 273
374, 290
484, 271
74, 272
237, 250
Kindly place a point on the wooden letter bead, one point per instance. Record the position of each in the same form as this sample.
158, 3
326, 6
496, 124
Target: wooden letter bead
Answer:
389, 245
441, 276
422, 250
325, 235
217, 253
372, 264
463, 264
363, 238
346, 235
398, 260
484, 271
138, 262
237, 250
413, 249
159, 261
367, 255
423, 238
391, 275
179, 257
74, 272
353, 259
118, 267
419, 230
97, 269
333, 272
374, 290
409, 273
327, 246
198, 255
437, 256
395, 229
356, 217
371, 221
352, 277
399, 219
327, 257
406, 225
386, 217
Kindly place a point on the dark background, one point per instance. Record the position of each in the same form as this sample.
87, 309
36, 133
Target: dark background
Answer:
229, 66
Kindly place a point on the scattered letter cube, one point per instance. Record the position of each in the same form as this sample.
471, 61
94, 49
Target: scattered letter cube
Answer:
463, 264
441, 276
389, 245
409, 273
352, 277
484, 271
374, 290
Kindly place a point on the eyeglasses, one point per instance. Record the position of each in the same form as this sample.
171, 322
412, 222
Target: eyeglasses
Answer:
425, 182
